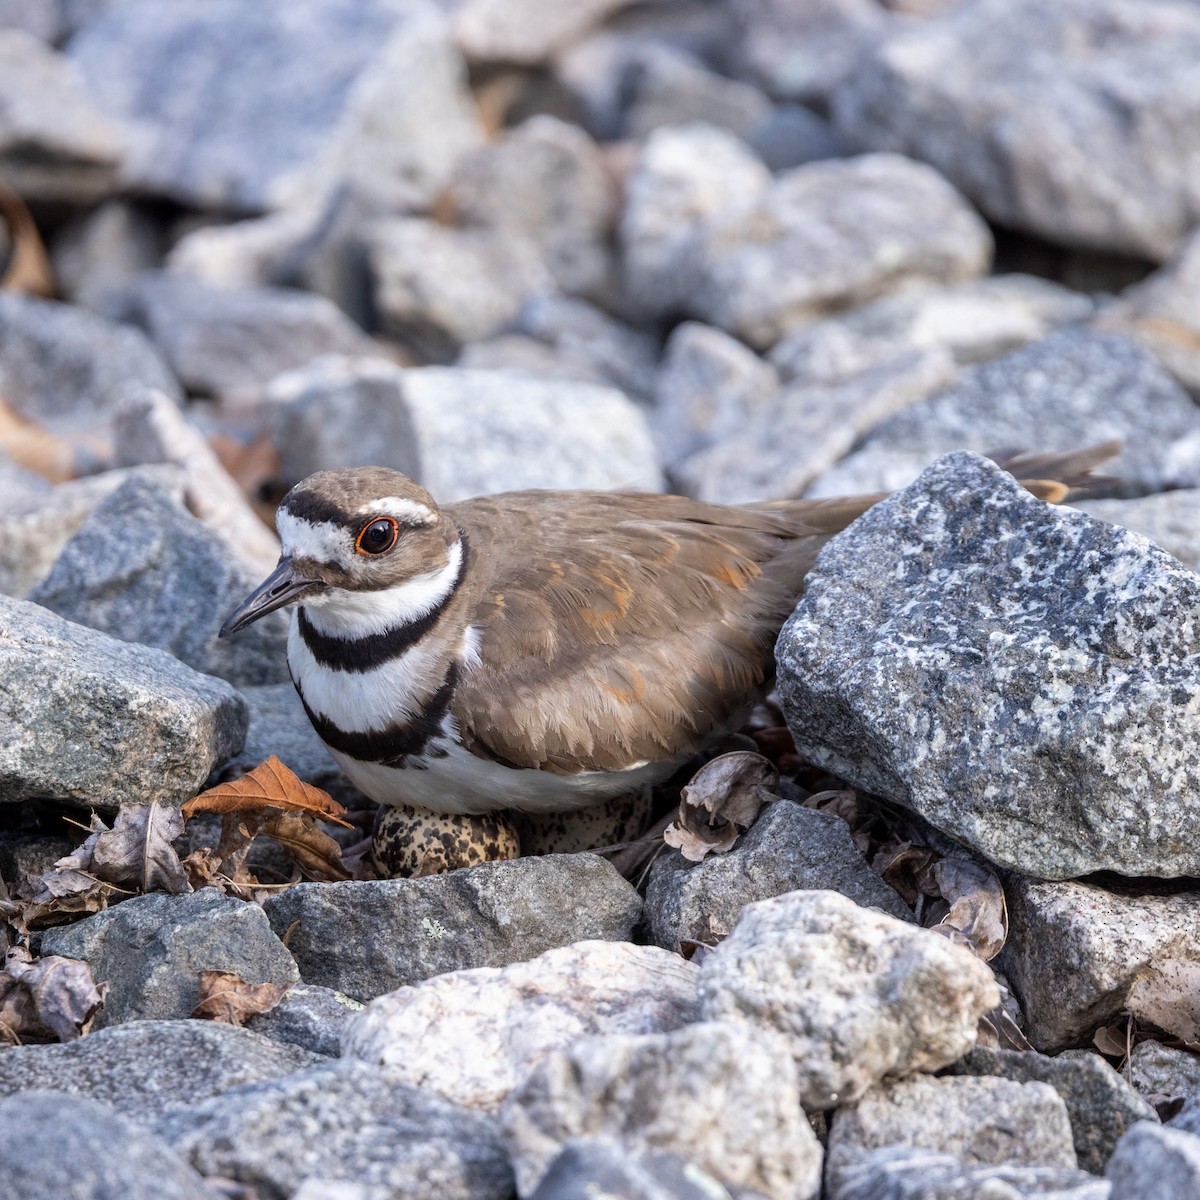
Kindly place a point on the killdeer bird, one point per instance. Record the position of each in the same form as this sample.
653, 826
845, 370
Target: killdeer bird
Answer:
536, 651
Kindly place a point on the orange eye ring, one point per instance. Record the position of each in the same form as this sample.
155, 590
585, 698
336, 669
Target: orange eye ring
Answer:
377, 536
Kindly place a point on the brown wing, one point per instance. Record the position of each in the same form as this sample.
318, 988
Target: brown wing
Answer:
627, 627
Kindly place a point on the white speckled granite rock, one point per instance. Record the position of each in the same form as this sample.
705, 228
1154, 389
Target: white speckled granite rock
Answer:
723, 1095
860, 996
1023, 676
474, 1035
1077, 956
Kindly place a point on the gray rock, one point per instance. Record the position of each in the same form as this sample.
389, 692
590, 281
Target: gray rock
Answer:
29, 852
150, 429
626, 357
741, 1121
682, 177
859, 995
980, 1121
1074, 121
141, 568
902, 1173
803, 51
474, 1035
492, 431
1158, 1070
1077, 956
343, 1121
308, 1016
56, 1146
1171, 519
797, 435
557, 337
177, 937
231, 342
56, 145
279, 725
789, 848
792, 135
972, 321
437, 289
709, 386
372, 94
93, 721
367, 938
546, 181
340, 411
147, 1068
667, 87
39, 18
1153, 1163
1075, 387
587, 1166
257, 252
523, 31
98, 257
829, 235
35, 527
1100, 1104
1162, 313
597, 73
1026, 679
68, 369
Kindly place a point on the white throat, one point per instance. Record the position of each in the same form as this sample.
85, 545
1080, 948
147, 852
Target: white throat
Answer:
346, 614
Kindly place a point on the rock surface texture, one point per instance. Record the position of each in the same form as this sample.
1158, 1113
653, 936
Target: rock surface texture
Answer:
1017, 674
90, 720
367, 938
859, 996
1075, 121
474, 1035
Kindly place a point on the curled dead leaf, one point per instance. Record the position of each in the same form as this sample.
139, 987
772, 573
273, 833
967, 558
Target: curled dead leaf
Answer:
52, 997
26, 265
317, 855
228, 998
34, 448
270, 785
977, 916
720, 803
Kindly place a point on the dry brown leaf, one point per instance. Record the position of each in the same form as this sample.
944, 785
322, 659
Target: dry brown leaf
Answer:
270, 785
47, 997
34, 448
137, 850
202, 867
228, 998
854, 809
317, 855
26, 265
1114, 1041
720, 803
56, 897
977, 917
906, 868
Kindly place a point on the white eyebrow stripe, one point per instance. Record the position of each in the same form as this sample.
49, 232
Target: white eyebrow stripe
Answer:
406, 511
320, 540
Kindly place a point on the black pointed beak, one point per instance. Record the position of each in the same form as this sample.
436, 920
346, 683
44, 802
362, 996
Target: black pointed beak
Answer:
282, 586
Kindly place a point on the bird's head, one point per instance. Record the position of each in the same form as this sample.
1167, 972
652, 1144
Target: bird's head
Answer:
366, 546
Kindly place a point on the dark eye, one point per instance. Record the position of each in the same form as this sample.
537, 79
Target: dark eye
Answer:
377, 537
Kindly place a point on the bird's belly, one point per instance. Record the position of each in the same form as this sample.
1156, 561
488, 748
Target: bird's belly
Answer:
461, 782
